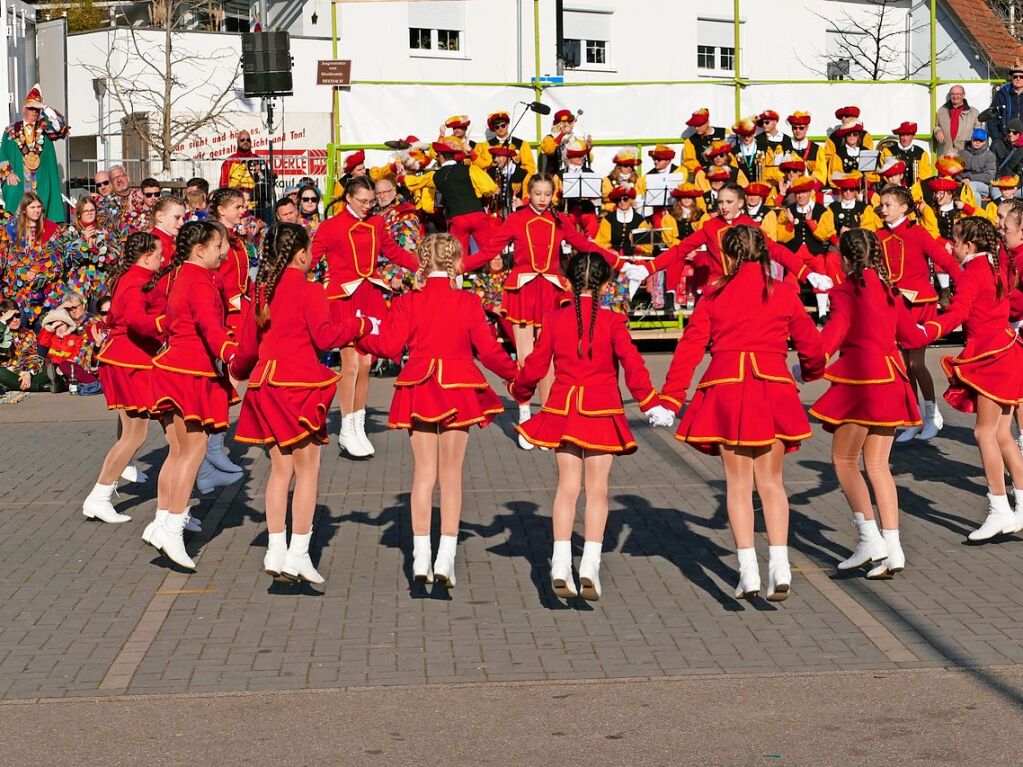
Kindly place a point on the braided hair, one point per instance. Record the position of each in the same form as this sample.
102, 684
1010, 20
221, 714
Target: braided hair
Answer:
438, 253
192, 234
982, 233
137, 245
220, 199
282, 242
862, 250
162, 204
745, 244
587, 271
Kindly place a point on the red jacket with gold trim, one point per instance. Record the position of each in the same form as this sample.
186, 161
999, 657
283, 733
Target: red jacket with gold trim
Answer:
135, 322
233, 275
906, 250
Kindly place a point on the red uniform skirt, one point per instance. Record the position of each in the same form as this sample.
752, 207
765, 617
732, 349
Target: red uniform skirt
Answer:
368, 300
199, 399
128, 389
452, 408
284, 415
922, 313
529, 304
876, 404
749, 413
998, 376
596, 433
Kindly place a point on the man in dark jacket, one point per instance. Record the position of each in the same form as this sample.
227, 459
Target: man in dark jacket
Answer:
1006, 105
980, 164
1012, 163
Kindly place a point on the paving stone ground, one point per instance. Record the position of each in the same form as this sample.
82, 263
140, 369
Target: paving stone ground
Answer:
86, 609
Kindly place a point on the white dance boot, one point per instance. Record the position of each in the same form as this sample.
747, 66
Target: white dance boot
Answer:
168, 538
1000, 519
216, 454
192, 524
444, 566
870, 548
133, 473
360, 432
909, 433
932, 421
524, 415
97, 505
147, 534
779, 574
276, 551
895, 561
749, 574
422, 573
561, 570
209, 477
589, 571
348, 439
1018, 514
297, 564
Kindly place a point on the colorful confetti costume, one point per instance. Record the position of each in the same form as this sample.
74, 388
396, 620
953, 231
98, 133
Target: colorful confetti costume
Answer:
122, 215
32, 272
86, 262
403, 224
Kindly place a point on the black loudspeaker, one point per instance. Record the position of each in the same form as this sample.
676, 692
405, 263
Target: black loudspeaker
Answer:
266, 64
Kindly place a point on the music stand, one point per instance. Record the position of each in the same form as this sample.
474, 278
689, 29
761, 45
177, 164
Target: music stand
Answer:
868, 161
650, 238
584, 186
658, 189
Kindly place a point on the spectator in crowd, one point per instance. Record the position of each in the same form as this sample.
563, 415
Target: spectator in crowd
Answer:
402, 222
63, 335
87, 249
244, 169
1012, 163
292, 192
1006, 105
102, 182
980, 165
309, 208
286, 211
119, 211
198, 184
195, 204
31, 271
955, 122
21, 366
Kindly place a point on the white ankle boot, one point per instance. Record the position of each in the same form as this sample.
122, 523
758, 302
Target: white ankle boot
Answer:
216, 454
895, 562
210, 477
1000, 519
360, 432
909, 433
297, 564
147, 534
870, 548
779, 574
97, 505
168, 539
749, 574
422, 573
524, 415
276, 551
561, 570
932, 421
444, 566
348, 441
589, 571
1018, 514
133, 473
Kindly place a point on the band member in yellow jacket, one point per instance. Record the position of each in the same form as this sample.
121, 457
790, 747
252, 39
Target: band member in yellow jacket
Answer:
917, 159
702, 136
498, 122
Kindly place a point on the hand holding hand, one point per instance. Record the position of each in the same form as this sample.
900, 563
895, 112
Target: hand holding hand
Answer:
660, 416
819, 281
635, 272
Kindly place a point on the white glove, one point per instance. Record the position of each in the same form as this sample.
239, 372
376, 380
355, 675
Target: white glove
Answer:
797, 373
819, 281
635, 272
660, 416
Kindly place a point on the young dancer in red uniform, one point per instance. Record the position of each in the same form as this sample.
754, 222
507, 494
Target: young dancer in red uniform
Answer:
126, 363
190, 391
289, 392
746, 408
986, 377
535, 285
870, 395
440, 392
583, 417
351, 242
168, 215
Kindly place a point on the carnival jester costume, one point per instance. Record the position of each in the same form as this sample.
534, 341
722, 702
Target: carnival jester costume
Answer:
26, 150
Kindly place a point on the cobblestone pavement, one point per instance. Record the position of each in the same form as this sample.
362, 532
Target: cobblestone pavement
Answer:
86, 609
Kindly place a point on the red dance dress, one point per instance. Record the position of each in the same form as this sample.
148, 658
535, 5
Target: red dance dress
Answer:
535, 286
585, 404
289, 391
136, 333
869, 383
991, 364
907, 247
233, 280
440, 383
185, 378
747, 396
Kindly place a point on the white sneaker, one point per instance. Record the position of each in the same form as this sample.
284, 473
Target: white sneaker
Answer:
217, 455
524, 415
422, 573
348, 441
909, 433
561, 570
444, 566
97, 505
276, 551
360, 432
589, 571
297, 564
210, 478
147, 534
779, 574
870, 548
133, 473
1000, 519
168, 539
749, 574
933, 421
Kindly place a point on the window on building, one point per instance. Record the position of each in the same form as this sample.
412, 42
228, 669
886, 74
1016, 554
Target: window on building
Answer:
715, 46
838, 49
438, 27
587, 37
236, 16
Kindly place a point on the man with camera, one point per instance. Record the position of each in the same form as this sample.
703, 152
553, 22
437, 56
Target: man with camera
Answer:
1006, 105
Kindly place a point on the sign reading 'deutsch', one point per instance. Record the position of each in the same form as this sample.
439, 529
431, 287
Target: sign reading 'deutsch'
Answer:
334, 72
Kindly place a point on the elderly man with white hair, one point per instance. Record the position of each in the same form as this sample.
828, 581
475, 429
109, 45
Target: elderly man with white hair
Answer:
955, 122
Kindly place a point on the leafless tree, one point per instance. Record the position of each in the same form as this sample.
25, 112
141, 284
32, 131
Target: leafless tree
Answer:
870, 45
153, 77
